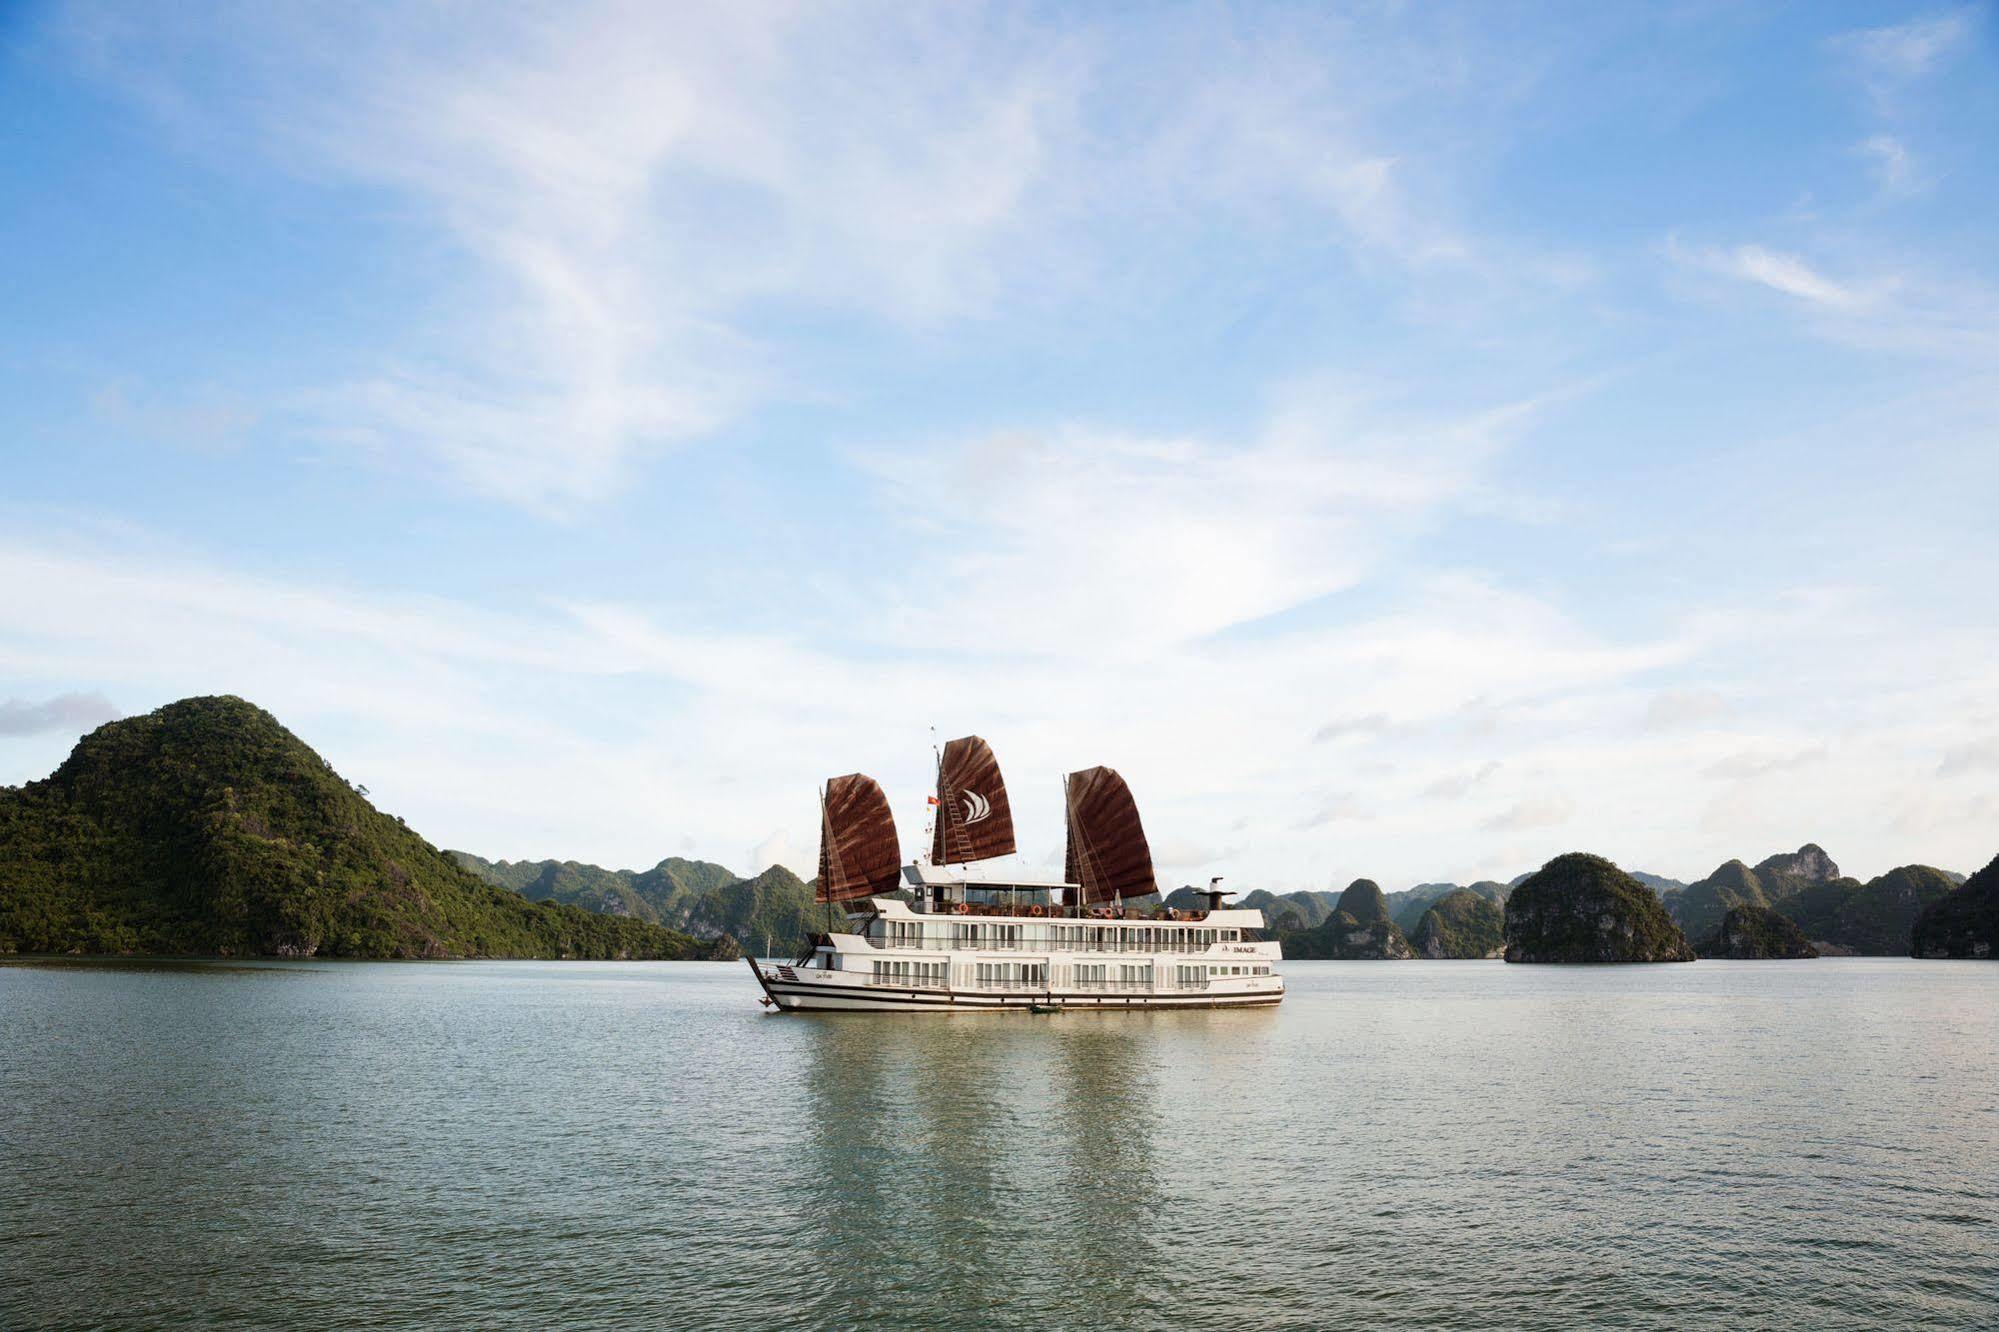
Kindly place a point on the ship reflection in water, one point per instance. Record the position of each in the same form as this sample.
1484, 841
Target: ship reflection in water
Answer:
983, 1164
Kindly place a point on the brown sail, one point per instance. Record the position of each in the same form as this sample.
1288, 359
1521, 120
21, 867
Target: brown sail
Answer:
1108, 853
859, 854
974, 820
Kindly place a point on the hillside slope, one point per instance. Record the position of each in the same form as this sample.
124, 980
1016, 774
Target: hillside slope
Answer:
1965, 923
208, 828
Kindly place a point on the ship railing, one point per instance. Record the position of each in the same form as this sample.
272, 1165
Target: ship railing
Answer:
989, 945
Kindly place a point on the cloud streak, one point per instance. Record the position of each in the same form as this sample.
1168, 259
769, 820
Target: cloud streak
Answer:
64, 712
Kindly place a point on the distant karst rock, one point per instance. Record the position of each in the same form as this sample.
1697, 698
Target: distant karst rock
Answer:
1872, 918
1364, 901
1809, 863
1462, 924
770, 914
1291, 911
1582, 908
1358, 930
1699, 907
1754, 932
1963, 924
1408, 906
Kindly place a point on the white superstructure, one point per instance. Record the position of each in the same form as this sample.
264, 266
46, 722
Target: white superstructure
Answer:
960, 956
922, 938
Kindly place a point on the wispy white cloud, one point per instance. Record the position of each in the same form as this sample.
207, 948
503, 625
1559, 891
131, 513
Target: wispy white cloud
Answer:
1894, 165
1545, 811
1970, 757
1110, 545
1374, 723
1930, 312
1753, 764
1787, 273
1674, 709
1890, 57
64, 712
1456, 785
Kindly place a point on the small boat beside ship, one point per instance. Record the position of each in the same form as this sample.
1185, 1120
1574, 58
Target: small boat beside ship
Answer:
930, 937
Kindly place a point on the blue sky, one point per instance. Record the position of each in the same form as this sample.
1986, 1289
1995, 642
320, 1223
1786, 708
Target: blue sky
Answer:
1406, 440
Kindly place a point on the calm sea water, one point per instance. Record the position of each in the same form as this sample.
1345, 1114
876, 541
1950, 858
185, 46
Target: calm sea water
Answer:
1777, 1145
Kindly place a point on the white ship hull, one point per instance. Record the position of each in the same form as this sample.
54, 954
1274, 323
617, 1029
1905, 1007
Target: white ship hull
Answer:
800, 990
981, 959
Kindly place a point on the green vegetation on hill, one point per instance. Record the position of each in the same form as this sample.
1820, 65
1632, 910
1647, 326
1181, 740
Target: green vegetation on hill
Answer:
1406, 908
1756, 932
208, 828
1462, 924
1699, 907
1358, 930
1963, 924
773, 912
1290, 911
1876, 918
1582, 908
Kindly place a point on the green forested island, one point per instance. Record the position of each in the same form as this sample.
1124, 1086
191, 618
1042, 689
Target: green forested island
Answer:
1359, 929
1756, 933
1582, 908
206, 828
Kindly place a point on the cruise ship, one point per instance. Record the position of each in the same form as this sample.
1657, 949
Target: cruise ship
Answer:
930, 937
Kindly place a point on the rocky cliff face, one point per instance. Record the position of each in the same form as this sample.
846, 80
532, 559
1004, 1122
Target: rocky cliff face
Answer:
1809, 863
1582, 908
1753, 932
1963, 924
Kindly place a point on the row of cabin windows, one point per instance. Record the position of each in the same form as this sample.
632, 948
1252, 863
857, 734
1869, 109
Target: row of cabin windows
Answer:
1013, 973
1088, 975
1072, 938
1128, 975
909, 973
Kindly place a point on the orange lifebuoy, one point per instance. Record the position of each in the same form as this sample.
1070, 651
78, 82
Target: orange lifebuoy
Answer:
1037, 910
958, 908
